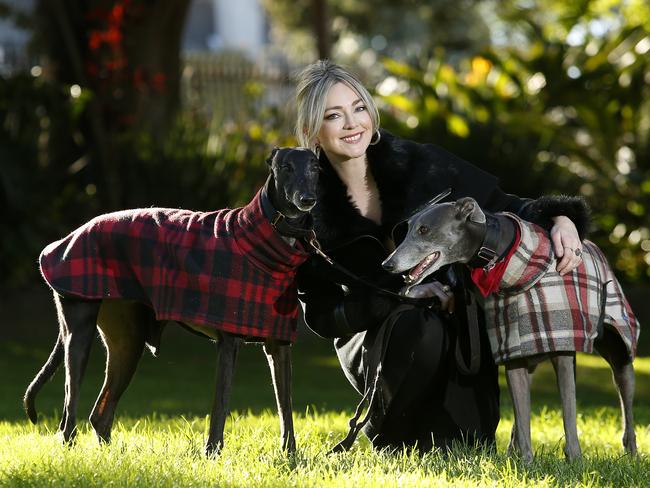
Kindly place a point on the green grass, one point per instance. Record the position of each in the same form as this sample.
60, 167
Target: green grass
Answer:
161, 426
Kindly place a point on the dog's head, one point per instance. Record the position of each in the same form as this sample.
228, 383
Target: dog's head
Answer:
441, 234
295, 180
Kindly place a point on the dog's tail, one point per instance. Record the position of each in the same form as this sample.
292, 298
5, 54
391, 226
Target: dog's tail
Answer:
42, 377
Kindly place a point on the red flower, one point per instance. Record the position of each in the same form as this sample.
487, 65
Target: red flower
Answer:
95, 40
113, 36
159, 81
117, 14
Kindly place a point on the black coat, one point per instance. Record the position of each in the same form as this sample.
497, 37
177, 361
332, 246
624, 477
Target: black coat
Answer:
423, 394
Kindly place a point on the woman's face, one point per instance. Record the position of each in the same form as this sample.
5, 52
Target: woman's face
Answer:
347, 127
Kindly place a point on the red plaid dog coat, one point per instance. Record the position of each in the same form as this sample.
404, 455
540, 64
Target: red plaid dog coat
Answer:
228, 269
538, 311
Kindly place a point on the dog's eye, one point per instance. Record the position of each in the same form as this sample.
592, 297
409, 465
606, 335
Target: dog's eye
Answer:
287, 169
423, 230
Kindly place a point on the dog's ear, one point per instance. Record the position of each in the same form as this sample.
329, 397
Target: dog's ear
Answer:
270, 159
468, 209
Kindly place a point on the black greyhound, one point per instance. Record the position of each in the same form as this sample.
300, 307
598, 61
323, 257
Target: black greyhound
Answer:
531, 292
274, 219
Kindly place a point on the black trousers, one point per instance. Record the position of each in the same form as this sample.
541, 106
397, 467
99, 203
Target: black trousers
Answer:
421, 397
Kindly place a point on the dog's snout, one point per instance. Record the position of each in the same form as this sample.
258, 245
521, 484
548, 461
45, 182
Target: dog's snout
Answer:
308, 200
388, 265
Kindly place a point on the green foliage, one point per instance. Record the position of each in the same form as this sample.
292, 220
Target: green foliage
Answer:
203, 164
398, 28
49, 186
550, 114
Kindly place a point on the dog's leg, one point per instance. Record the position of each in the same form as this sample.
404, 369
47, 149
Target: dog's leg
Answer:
564, 364
78, 321
123, 327
623, 375
519, 387
513, 446
279, 358
612, 349
227, 348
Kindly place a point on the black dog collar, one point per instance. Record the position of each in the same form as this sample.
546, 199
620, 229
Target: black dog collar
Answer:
486, 256
298, 227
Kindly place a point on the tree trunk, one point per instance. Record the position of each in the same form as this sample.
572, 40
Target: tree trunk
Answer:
322, 28
126, 53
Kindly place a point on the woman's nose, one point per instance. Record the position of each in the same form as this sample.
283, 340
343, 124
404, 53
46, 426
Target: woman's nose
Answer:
350, 121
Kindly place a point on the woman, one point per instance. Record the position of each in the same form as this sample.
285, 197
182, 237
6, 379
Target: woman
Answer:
400, 356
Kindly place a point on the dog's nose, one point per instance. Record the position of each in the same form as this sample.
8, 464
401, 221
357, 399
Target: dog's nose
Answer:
388, 265
307, 200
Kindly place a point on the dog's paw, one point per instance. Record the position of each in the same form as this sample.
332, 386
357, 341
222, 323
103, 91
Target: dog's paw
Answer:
213, 449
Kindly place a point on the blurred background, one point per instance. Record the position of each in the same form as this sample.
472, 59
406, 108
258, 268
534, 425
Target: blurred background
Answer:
108, 104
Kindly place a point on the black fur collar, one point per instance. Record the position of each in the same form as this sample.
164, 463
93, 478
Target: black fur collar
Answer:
400, 168
409, 174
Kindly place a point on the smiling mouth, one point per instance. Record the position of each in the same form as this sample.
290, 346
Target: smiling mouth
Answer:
416, 273
352, 139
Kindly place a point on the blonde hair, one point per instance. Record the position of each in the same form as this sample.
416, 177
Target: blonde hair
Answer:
313, 85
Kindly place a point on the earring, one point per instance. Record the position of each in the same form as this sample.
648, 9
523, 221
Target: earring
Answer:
317, 150
378, 134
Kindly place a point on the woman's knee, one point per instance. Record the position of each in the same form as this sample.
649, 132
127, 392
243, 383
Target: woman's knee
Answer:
418, 343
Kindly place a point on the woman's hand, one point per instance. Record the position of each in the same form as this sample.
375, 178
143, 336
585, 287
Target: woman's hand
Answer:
433, 289
566, 244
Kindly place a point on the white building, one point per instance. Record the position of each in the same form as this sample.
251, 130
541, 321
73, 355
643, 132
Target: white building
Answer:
215, 25
13, 40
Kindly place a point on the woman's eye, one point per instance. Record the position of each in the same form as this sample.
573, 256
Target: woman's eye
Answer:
423, 229
361, 108
331, 116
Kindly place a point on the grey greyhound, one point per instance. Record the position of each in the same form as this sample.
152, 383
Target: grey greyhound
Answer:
460, 231
172, 254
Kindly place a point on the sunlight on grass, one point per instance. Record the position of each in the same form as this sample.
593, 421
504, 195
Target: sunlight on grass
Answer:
168, 451
641, 365
161, 427
593, 383
328, 361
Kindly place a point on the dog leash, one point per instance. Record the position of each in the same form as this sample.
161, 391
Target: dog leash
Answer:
306, 232
485, 258
372, 395
433, 302
471, 306
315, 245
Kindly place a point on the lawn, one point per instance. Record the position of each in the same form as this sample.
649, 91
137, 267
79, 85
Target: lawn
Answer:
161, 427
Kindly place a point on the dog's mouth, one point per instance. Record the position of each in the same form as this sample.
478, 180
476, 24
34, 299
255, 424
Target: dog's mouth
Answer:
304, 208
417, 273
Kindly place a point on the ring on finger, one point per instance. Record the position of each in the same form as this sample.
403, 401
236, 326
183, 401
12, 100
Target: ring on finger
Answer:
578, 252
